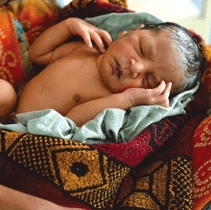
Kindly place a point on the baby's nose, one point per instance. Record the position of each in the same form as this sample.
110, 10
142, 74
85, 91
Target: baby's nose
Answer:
135, 68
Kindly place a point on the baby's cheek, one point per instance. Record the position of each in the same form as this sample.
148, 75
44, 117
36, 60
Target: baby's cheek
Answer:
136, 84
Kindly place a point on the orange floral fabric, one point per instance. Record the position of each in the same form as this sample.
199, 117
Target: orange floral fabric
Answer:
202, 150
202, 165
35, 16
21, 23
10, 57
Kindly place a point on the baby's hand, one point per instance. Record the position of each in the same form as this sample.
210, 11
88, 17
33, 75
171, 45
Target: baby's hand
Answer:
89, 33
158, 95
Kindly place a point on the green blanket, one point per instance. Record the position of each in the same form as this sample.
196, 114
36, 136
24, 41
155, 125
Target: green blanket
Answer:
115, 23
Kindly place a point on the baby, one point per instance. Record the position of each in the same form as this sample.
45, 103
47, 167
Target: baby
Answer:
143, 66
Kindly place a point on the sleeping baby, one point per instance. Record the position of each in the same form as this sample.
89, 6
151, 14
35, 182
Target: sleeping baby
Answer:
86, 72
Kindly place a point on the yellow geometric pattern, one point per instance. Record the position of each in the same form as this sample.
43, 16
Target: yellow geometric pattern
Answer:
80, 170
165, 184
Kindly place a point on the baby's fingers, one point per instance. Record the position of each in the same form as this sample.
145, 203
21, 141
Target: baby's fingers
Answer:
87, 39
96, 38
160, 88
167, 89
105, 36
101, 38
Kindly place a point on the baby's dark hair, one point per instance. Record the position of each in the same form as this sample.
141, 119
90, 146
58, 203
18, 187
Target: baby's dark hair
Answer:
193, 61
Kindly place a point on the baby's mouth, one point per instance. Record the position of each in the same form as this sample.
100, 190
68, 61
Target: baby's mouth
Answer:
117, 71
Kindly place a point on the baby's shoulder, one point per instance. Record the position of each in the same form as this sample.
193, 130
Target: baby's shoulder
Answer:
79, 50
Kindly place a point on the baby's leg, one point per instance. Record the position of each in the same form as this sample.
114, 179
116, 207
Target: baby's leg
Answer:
8, 99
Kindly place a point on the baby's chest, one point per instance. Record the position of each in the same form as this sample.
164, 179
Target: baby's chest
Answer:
74, 87
86, 91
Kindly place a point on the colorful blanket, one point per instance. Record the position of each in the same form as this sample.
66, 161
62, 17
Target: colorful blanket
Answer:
152, 171
22, 22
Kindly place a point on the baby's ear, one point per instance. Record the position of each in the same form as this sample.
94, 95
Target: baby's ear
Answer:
122, 34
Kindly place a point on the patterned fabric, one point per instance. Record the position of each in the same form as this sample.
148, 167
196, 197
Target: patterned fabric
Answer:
202, 165
35, 16
21, 22
107, 176
92, 8
152, 171
90, 176
201, 151
10, 55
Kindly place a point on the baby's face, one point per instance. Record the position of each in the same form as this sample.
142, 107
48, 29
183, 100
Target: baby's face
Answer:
140, 58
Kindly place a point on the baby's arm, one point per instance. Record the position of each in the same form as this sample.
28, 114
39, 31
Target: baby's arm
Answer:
48, 47
125, 100
13, 200
159, 95
8, 99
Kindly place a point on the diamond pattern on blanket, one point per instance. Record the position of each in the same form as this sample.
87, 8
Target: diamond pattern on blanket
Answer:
80, 170
162, 185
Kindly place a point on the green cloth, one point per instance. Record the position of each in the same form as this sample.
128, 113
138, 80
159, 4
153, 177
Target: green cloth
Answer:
115, 23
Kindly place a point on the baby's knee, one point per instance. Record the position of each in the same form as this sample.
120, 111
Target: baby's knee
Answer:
8, 99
